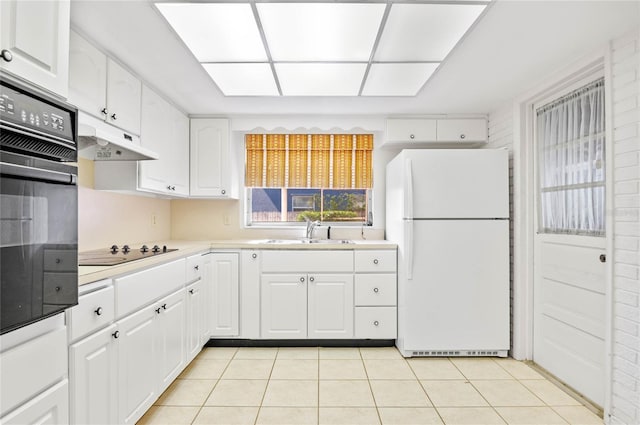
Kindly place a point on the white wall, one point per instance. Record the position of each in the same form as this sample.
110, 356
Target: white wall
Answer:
625, 118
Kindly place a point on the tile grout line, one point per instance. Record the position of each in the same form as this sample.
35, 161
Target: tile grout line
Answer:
267, 386
375, 403
425, 391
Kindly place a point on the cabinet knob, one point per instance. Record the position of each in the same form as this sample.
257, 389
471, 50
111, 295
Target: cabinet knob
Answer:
196, 267
254, 256
113, 117
223, 191
191, 291
462, 136
376, 290
58, 261
98, 311
6, 55
412, 136
158, 310
116, 334
375, 261
104, 111
302, 279
376, 323
173, 188
603, 258
311, 279
58, 289
164, 306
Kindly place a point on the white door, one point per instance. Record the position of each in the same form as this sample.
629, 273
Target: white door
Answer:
170, 338
283, 300
137, 375
154, 135
35, 35
93, 375
455, 290
569, 252
210, 158
87, 77
49, 408
123, 98
225, 299
195, 316
178, 145
330, 305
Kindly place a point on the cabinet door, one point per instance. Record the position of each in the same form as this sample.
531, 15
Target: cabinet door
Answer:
284, 306
210, 172
462, 130
411, 130
154, 175
92, 373
330, 304
225, 302
36, 35
178, 146
123, 98
50, 407
195, 315
137, 374
207, 299
250, 294
87, 77
170, 338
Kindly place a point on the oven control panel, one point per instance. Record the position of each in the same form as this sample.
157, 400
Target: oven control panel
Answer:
27, 111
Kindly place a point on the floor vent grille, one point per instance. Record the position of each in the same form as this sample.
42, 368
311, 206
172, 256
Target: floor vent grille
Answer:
465, 353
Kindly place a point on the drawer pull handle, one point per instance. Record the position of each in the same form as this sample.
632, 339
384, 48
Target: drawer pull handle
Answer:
98, 311
191, 291
462, 136
375, 261
196, 267
311, 279
376, 323
223, 191
302, 279
254, 256
412, 136
376, 290
116, 334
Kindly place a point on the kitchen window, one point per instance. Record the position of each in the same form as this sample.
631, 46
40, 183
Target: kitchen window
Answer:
291, 178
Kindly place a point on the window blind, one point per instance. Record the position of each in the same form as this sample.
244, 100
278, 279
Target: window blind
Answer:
334, 161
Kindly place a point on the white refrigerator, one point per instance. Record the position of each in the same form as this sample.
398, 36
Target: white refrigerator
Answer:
448, 211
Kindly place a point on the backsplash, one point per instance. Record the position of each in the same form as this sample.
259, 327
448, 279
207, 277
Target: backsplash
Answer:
106, 218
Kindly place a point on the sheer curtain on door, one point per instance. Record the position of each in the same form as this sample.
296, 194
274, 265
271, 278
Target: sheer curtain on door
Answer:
570, 135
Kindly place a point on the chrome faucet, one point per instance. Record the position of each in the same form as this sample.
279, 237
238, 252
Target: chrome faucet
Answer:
311, 225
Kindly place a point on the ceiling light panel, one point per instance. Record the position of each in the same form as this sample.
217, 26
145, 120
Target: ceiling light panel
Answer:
397, 79
424, 32
320, 31
216, 32
320, 79
243, 79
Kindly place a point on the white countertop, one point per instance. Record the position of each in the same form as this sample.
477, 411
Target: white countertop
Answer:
88, 274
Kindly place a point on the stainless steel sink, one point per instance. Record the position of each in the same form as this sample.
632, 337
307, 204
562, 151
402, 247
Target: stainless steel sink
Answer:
308, 241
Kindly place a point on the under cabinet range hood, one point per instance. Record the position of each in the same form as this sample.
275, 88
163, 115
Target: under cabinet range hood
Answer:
100, 141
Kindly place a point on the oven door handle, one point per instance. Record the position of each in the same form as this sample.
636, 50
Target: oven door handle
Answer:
37, 173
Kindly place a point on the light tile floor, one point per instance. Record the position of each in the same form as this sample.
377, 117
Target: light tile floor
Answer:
360, 386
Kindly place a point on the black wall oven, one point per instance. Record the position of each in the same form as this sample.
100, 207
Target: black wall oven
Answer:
38, 206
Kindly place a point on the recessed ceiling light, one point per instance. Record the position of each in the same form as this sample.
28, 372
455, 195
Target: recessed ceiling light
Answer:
320, 31
424, 32
397, 79
243, 79
320, 79
216, 32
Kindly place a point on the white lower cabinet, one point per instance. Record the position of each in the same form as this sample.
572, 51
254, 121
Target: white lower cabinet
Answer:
224, 297
330, 306
50, 407
93, 364
284, 306
195, 318
375, 323
170, 333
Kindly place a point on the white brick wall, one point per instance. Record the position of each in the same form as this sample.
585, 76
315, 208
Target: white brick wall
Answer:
625, 385
625, 70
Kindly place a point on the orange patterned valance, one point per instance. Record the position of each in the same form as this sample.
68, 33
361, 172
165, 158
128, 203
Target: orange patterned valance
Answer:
330, 161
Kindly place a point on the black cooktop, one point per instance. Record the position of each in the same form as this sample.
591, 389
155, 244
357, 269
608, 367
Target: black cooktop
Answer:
118, 255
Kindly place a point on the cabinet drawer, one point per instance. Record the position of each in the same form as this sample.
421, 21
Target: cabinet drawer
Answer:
60, 260
418, 130
375, 289
307, 261
375, 261
60, 288
50, 407
375, 322
462, 130
194, 268
138, 289
94, 310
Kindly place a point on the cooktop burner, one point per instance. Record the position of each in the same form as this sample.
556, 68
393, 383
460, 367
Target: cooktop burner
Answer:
118, 255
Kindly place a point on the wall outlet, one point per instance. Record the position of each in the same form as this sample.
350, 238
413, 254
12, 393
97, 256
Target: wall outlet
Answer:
154, 219
225, 220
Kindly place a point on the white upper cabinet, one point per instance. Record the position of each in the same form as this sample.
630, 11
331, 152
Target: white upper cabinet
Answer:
436, 133
87, 77
210, 159
417, 130
462, 130
124, 93
101, 87
35, 42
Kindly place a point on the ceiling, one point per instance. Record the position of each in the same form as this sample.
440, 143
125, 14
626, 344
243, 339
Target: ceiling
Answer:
513, 45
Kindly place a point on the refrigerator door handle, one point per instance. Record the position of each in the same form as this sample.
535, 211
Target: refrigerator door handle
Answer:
408, 225
408, 181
